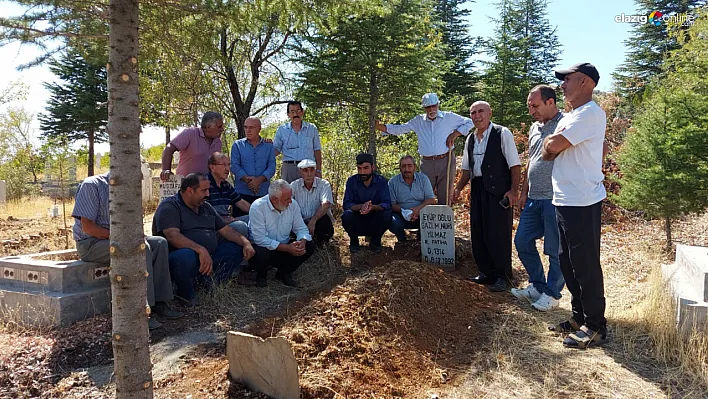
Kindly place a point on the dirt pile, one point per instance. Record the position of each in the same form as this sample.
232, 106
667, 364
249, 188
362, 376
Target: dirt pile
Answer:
396, 330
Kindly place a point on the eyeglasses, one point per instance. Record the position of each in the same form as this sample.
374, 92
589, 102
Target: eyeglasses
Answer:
221, 164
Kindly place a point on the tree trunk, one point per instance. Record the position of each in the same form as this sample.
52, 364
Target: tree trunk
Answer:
91, 139
373, 104
667, 228
128, 273
167, 135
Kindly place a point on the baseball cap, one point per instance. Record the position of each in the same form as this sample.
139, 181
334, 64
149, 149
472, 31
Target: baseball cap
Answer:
306, 163
584, 67
430, 99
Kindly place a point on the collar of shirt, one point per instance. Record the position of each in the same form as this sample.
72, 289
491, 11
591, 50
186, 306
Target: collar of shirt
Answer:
181, 201
289, 125
402, 180
485, 134
440, 115
551, 122
314, 183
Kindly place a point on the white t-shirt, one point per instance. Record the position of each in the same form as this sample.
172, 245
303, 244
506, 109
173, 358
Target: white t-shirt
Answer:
577, 171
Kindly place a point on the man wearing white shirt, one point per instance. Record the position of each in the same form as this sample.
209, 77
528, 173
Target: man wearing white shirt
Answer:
491, 164
436, 131
578, 191
271, 220
314, 195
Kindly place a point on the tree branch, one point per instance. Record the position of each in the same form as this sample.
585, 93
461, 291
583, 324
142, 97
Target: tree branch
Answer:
270, 104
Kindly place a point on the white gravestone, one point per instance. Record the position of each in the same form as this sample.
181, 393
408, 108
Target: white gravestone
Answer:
147, 181
97, 161
437, 235
170, 187
3, 192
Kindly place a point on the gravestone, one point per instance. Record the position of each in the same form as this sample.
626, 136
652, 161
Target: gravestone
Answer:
437, 235
97, 161
3, 192
147, 181
688, 282
170, 187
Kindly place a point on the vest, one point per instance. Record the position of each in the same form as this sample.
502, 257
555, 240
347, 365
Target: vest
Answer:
496, 175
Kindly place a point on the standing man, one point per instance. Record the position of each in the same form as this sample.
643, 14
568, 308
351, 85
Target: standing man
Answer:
272, 220
202, 246
577, 147
437, 131
410, 192
491, 163
222, 195
367, 205
297, 140
314, 195
252, 163
92, 235
538, 215
195, 145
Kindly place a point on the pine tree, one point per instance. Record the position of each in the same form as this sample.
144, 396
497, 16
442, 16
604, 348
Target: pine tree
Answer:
77, 108
523, 53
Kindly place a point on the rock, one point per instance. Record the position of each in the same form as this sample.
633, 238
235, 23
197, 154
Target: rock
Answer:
264, 365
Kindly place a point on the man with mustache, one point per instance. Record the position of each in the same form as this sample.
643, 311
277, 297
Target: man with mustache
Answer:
203, 248
272, 220
491, 165
314, 195
367, 205
297, 140
436, 131
410, 192
195, 145
577, 148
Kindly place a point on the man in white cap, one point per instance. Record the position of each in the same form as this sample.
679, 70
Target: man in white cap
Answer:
314, 195
436, 131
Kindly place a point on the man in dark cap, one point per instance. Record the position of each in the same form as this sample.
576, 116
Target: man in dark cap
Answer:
367, 204
577, 148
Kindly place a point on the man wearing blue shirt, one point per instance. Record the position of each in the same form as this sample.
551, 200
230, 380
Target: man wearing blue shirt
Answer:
252, 163
410, 192
436, 131
297, 140
367, 205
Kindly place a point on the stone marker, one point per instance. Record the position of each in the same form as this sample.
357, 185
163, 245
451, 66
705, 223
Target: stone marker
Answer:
437, 235
170, 187
263, 365
147, 181
688, 283
97, 161
3, 192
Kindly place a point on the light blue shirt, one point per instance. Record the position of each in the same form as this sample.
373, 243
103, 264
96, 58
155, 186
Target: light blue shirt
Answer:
432, 134
268, 227
409, 196
297, 146
247, 160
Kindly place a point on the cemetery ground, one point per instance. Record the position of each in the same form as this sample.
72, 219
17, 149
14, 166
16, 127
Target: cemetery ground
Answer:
385, 326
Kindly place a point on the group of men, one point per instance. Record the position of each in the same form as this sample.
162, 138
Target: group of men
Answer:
210, 226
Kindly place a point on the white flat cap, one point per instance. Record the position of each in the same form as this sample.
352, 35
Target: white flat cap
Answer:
430, 99
307, 163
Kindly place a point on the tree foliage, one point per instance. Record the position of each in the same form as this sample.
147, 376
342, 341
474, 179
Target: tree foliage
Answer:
523, 52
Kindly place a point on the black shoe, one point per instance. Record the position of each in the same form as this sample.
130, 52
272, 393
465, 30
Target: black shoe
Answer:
288, 280
500, 285
482, 279
186, 303
261, 282
153, 324
162, 309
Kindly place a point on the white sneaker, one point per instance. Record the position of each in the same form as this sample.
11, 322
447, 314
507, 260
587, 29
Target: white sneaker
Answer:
545, 303
530, 293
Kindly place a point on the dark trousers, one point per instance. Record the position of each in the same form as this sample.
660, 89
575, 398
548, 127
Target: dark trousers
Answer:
283, 261
579, 228
323, 230
490, 225
236, 211
399, 225
373, 224
184, 267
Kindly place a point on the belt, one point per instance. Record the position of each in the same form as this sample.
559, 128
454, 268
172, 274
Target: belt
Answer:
295, 162
434, 157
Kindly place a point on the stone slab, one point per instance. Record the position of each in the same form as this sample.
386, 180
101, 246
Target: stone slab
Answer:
437, 235
692, 310
263, 365
170, 187
694, 264
3, 192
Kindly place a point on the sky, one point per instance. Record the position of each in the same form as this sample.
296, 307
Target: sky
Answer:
586, 30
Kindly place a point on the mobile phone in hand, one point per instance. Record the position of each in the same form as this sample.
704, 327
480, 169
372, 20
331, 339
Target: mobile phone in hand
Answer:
504, 202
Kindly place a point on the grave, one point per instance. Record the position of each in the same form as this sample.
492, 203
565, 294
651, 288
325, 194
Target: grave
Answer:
52, 289
146, 182
437, 235
687, 278
170, 187
3, 192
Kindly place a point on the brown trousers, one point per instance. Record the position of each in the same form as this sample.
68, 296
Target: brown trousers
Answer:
437, 172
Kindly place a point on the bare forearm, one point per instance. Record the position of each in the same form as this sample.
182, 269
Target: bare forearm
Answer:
91, 228
321, 211
234, 236
318, 160
515, 178
178, 240
525, 186
167, 154
464, 179
396, 208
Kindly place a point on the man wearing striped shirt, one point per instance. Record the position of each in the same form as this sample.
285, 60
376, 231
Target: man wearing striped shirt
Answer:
222, 195
314, 195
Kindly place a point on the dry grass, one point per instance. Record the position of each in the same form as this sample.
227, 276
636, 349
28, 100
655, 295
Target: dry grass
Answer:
35, 208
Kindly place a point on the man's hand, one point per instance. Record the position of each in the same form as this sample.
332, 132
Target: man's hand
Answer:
296, 248
380, 126
228, 219
311, 227
456, 195
522, 200
416, 213
451, 138
267, 140
165, 174
205, 262
513, 196
366, 208
318, 173
254, 184
248, 251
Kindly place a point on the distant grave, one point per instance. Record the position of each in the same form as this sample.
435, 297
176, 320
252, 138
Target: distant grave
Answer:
3, 192
688, 282
437, 235
170, 187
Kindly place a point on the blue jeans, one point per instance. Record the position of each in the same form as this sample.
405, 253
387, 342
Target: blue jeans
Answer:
184, 267
399, 225
538, 219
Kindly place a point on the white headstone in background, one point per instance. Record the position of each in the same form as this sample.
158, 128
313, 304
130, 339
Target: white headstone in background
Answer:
3, 192
97, 161
437, 235
71, 174
170, 187
147, 182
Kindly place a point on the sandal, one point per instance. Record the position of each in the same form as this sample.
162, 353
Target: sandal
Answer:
565, 327
585, 338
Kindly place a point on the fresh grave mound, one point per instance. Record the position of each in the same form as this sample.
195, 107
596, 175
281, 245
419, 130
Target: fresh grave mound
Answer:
393, 331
